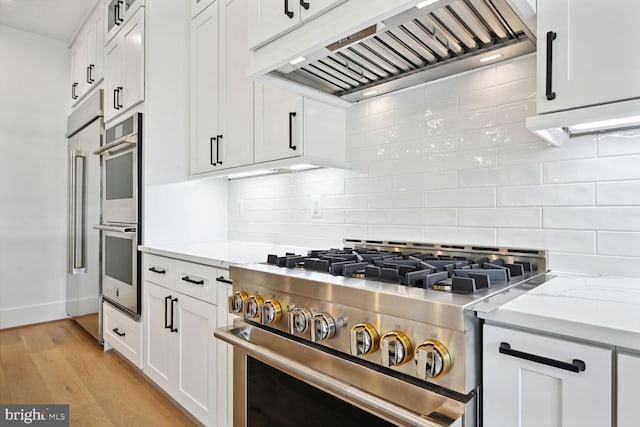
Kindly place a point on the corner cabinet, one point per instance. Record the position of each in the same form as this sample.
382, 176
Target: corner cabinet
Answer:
124, 67
628, 389
181, 307
579, 67
268, 18
87, 56
221, 95
535, 380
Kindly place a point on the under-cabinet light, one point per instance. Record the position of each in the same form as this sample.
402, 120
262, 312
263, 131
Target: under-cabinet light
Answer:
301, 167
490, 57
620, 122
298, 60
248, 174
370, 93
426, 3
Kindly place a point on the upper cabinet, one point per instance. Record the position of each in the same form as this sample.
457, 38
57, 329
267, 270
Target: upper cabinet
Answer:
198, 6
87, 54
221, 95
124, 63
577, 65
270, 18
118, 12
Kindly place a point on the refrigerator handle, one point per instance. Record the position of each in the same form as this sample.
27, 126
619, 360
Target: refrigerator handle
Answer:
77, 194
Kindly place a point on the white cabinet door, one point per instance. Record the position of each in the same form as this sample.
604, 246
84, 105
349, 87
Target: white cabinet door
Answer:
279, 124
205, 92
225, 360
114, 77
236, 109
75, 59
160, 343
587, 67
628, 390
198, 6
519, 392
94, 37
196, 386
271, 18
311, 8
133, 42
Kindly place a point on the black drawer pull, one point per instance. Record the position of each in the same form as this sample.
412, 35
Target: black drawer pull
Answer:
223, 280
158, 270
190, 280
291, 116
286, 9
173, 328
575, 366
167, 325
305, 4
551, 36
118, 333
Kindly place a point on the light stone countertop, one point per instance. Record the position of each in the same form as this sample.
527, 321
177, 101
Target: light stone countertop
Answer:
598, 309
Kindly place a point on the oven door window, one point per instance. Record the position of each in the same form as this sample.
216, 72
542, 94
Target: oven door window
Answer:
118, 259
119, 177
277, 399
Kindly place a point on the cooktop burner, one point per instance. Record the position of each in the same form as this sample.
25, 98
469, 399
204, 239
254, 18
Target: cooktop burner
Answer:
465, 274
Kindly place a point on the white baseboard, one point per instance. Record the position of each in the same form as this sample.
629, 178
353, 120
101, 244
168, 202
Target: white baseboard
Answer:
27, 315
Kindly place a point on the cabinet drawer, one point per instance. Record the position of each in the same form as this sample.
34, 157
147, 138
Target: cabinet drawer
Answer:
196, 280
122, 333
158, 270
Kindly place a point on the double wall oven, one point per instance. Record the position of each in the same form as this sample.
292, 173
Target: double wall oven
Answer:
378, 333
121, 215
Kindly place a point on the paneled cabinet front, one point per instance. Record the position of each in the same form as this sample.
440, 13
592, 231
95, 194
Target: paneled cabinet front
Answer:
577, 66
628, 389
534, 380
221, 95
87, 56
124, 67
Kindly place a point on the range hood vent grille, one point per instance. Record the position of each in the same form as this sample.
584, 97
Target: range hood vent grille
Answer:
424, 40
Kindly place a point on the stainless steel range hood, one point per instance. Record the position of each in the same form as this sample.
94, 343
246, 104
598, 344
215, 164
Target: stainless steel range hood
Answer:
421, 44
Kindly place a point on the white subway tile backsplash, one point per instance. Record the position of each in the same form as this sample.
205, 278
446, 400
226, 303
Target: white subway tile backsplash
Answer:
622, 244
369, 217
501, 217
370, 122
461, 235
425, 181
516, 112
619, 143
590, 170
548, 195
410, 131
395, 200
477, 158
434, 144
618, 193
593, 264
380, 105
388, 168
424, 217
553, 240
395, 233
526, 173
593, 218
368, 185
347, 201
537, 150
484, 197
497, 95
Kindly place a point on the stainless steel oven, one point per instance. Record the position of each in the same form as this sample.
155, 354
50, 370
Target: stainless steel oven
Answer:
121, 171
120, 268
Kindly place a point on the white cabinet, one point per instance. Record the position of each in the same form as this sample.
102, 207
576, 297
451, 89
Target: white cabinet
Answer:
628, 389
586, 68
87, 56
268, 18
221, 95
198, 6
183, 304
527, 381
290, 126
118, 12
122, 333
124, 67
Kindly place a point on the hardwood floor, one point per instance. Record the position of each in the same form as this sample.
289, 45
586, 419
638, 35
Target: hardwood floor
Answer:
59, 363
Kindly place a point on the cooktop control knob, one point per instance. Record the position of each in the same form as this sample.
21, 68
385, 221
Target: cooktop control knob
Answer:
271, 312
299, 320
433, 359
396, 348
237, 302
323, 327
364, 339
253, 307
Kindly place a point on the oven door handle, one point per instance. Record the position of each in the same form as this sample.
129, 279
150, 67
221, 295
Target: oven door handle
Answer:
239, 337
110, 148
127, 229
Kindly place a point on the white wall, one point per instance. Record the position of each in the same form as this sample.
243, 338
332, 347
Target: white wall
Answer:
34, 77
451, 161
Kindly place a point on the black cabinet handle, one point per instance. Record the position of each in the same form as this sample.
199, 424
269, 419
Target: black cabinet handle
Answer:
218, 138
73, 91
118, 333
551, 36
291, 116
167, 325
158, 270
119, 90
575, 366
91, 79
286, 9
116, 13
118, 10
88, 75
213, 138
305, 4
190, 280
223, 280
172, 325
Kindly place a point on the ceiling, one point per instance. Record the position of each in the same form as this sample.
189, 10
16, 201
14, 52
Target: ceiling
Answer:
56, 19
